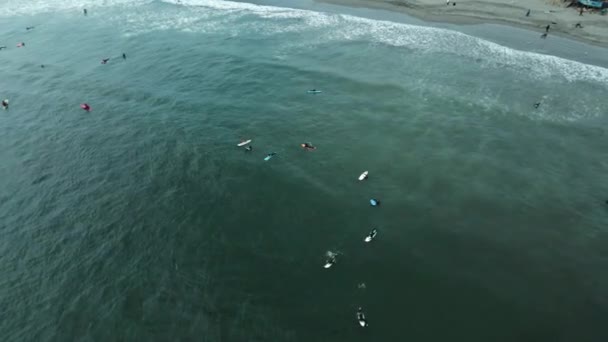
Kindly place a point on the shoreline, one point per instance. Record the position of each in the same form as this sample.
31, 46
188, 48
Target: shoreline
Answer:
471, 12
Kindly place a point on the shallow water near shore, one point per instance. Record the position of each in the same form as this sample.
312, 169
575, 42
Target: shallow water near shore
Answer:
142, 220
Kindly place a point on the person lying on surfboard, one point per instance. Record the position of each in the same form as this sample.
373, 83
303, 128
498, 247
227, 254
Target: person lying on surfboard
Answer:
361, 317
308, 146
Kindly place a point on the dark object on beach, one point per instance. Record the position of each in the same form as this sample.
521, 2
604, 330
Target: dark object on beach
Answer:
454, 4
578, 25
84, 11
547, 28
124, 56
528, 13
42, 66
544, 35
536, 105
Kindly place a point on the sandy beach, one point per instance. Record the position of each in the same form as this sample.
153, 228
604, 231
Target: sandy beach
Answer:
563, 20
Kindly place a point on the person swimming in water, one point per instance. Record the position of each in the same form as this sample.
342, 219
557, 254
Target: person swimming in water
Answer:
249, 148
105, 61
84, 11
536, 105
22, 44
5, 104
86, 107
2, 47
124, 56
29, 28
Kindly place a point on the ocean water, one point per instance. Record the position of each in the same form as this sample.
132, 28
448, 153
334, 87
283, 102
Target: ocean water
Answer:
142, 221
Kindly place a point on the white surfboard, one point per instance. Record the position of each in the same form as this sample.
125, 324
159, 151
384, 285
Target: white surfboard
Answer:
328, 265
363, 323
363, 175
243, 143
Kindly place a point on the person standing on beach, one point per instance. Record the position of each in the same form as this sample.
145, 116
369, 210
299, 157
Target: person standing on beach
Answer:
528, 13
547, 28
580, 12
124, 56
85, 12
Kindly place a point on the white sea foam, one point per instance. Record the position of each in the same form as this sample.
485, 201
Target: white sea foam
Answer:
345, 27
330, 27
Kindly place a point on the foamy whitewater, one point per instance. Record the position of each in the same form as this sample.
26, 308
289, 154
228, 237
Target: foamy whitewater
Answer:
141, 220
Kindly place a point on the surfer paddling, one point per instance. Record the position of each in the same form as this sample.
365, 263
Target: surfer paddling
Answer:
308, 146
371, 235
361, 317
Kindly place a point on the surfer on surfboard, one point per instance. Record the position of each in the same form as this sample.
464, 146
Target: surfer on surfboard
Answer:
86, 107
364, 175
331, 260
361, 317
371, 235
5, 104
308, 146
374, 202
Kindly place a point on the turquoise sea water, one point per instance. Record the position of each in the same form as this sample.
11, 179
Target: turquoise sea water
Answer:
142, 220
